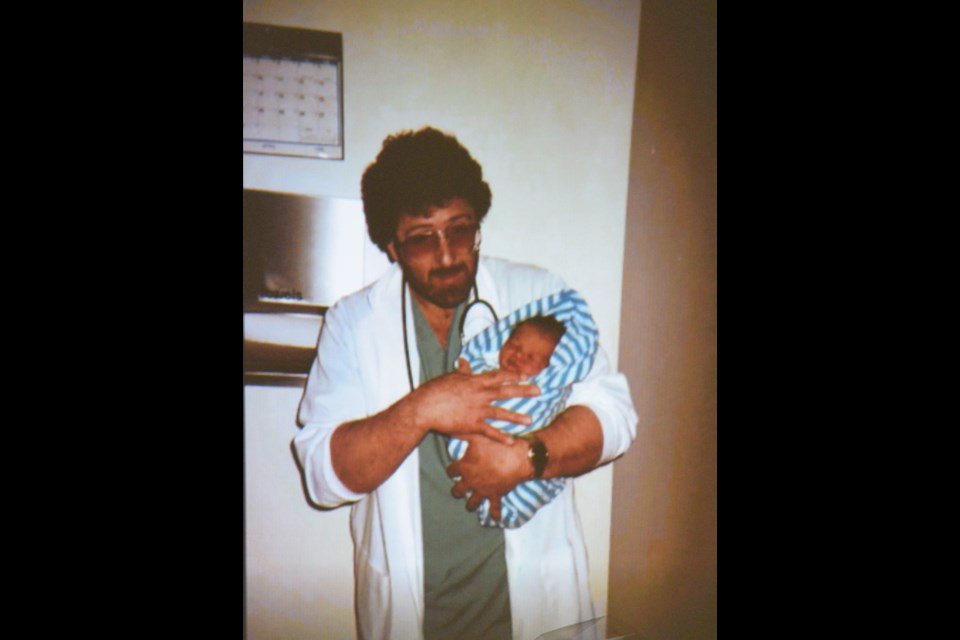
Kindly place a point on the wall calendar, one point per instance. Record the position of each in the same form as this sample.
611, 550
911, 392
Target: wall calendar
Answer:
292, 92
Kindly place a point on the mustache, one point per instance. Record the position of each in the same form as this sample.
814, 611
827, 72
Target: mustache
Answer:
446, 272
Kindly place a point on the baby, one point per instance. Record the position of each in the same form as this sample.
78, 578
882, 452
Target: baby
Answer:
531, 343
552, 342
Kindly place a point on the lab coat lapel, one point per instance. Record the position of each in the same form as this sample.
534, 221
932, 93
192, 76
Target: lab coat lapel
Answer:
398, 498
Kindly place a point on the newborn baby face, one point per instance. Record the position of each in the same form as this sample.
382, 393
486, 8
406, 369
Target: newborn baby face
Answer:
527, 351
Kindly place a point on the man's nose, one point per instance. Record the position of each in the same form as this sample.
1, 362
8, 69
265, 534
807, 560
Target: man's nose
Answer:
443, 246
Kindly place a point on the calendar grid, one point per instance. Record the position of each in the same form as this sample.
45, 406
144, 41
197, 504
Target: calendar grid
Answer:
292, 101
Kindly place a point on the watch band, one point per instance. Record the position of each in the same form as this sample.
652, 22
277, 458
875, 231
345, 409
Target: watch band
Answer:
538, 455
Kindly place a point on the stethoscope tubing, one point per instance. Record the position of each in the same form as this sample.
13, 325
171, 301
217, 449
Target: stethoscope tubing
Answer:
463, 317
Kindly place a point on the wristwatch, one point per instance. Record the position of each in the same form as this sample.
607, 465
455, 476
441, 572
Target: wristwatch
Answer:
538, 455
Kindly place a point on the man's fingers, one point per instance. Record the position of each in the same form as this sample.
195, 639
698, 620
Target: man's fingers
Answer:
459, 490
517, 391
495, 508
454, 469
498, 377
497, 435
463, 366
499, 413
473, 502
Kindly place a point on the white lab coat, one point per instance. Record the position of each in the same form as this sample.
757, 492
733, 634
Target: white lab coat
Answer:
360, 370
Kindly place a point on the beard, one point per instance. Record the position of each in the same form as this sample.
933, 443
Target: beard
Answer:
445, 287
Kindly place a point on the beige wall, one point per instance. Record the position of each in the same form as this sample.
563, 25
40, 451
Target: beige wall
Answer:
663, 576
541, 92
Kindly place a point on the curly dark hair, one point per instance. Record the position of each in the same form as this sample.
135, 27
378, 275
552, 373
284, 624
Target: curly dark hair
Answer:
416, 170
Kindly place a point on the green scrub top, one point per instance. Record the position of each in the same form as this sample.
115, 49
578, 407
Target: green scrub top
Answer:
466, 596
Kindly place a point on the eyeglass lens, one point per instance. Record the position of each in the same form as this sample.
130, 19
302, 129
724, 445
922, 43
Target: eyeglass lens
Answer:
460, 237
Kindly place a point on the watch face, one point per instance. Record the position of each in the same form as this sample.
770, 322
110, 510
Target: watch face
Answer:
538, 456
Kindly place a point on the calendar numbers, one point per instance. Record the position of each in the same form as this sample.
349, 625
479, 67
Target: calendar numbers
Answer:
295, 102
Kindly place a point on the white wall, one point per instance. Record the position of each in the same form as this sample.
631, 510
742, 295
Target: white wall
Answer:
541, 92
299, 567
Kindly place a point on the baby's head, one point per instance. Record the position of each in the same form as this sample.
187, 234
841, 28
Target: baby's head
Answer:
528, 349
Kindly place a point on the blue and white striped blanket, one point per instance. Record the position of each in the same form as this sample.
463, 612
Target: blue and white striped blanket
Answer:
571, 362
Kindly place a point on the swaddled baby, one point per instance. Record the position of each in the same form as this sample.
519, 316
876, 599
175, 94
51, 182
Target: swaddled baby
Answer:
531, 343
552, 342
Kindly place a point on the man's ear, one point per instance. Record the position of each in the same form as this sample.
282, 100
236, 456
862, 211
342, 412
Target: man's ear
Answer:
391, 251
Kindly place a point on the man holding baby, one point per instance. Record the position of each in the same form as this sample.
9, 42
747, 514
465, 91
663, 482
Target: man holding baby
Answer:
388, 391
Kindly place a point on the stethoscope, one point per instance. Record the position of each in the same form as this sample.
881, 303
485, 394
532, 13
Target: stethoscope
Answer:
477, 300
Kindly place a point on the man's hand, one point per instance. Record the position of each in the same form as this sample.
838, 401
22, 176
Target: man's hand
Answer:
458, 404
490, 470
365, 452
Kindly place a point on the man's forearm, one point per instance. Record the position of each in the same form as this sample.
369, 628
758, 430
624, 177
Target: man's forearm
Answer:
574, 441
488, 470
366, 452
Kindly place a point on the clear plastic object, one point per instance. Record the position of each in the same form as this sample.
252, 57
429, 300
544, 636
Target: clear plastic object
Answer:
595, 629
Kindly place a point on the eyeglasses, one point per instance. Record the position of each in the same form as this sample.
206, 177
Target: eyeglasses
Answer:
460, 237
